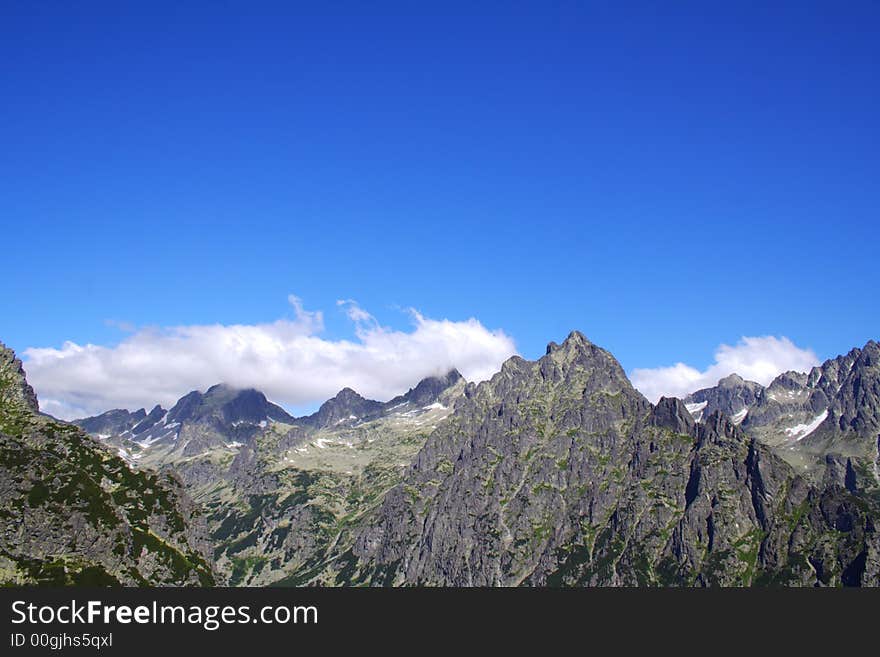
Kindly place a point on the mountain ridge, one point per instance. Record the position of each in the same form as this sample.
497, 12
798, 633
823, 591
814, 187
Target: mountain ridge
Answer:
554, 472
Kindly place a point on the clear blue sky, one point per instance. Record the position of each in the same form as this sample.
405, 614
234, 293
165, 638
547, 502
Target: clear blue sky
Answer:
664, 178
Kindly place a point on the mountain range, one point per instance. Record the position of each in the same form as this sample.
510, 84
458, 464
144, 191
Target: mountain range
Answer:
555, 472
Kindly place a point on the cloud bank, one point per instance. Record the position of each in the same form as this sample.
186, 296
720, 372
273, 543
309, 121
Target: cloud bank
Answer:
758, 359
287, 359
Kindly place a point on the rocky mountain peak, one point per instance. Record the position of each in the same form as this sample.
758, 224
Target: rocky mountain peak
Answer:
348, 395
731, 381
870, 355
149, 420
733, 396
224, 403
582, 364
789, 381
574, 342
671, 413
347, 405
429, 389
14, 388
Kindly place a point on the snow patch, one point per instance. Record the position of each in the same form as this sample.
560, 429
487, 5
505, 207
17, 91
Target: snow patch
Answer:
740, 415
696, 410
800, 431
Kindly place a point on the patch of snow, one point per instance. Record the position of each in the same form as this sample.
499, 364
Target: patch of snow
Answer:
696, 410
434, 406
740, 415
800, 431
127, 456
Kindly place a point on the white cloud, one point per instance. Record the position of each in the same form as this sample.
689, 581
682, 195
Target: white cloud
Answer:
286, 359
758, 359
356, 314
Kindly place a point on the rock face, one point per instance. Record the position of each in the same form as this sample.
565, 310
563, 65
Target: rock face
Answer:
71, 512
15, 392
557, 472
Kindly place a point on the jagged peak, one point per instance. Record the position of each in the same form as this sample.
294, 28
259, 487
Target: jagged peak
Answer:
428, 389
789, 380
671, 413
228, 389
731, 380
225, 393
514, 362
719, 427
574, 341
347, 393
450, 378
576, 353
870, 352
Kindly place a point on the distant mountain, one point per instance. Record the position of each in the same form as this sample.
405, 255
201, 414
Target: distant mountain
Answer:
428, 391
279, 490
350, 409
71, 512
733, 396
833, 409
197, 422
347, 407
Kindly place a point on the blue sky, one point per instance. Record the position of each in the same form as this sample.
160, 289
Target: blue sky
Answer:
665, 179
